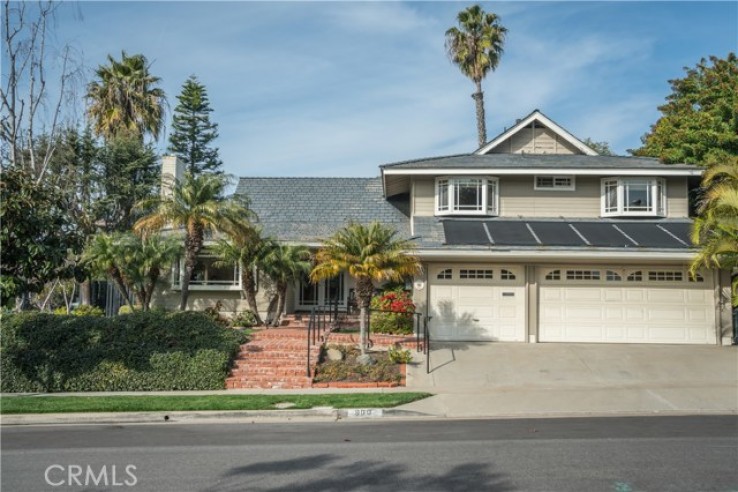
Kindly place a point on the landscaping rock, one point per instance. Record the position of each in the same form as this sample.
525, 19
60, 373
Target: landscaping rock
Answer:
334, 354
365, 360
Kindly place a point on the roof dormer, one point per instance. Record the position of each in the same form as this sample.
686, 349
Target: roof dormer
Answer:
536, 134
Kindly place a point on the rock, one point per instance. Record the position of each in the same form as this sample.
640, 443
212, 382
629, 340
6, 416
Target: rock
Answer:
365, 360
334, 354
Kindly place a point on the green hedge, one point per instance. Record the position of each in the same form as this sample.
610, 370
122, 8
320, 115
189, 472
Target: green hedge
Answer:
134, 352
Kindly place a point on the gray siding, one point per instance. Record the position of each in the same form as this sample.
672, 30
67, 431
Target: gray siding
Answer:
519, 198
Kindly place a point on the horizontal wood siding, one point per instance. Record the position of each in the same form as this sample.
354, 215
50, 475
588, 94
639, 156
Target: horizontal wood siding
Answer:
677, 202
540, 140
517, 197
424, 197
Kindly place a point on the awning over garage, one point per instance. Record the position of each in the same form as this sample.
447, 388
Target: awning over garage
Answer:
569, 233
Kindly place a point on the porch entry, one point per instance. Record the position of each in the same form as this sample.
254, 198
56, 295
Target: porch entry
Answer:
310, 295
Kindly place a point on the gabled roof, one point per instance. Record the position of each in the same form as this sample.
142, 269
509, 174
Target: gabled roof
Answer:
542, 119
306, 210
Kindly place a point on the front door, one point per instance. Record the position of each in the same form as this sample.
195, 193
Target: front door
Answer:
322, 293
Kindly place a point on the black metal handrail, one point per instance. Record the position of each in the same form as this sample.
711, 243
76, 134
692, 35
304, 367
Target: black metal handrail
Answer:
322, 319
426, 343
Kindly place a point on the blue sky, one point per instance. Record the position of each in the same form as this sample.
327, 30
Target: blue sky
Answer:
338, 88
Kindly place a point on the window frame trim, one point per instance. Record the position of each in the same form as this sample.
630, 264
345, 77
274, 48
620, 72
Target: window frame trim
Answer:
572, 187
659, 200
452, 210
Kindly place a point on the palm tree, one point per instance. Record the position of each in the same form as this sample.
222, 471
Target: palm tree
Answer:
102, 255
197, 206
715, 230
246, 248
145, 258
124, 101
369, 254
285, 264
475, 46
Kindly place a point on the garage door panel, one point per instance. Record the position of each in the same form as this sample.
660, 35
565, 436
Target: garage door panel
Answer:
478, 309
649, 310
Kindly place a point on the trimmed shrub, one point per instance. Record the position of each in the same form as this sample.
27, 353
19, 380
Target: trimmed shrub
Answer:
86, 310
397, 322
126, 309
152, 351
399, 356
244, 318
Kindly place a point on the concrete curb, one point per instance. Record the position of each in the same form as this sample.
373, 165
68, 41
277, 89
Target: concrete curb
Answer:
327, 414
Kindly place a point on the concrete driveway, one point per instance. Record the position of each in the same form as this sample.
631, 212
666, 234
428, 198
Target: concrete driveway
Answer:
507, 379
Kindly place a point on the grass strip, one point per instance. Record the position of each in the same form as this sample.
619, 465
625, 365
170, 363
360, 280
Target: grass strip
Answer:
156, 403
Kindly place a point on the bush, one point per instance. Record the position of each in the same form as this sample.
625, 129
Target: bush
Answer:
86, 310
397, 322
42, 352
400, 356
126, 309
60, 310
244, 318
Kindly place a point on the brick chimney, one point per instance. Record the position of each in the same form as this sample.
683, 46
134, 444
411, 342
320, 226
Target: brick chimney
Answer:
172, 170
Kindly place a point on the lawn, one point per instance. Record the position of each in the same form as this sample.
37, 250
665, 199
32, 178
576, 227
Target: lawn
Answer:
154, 403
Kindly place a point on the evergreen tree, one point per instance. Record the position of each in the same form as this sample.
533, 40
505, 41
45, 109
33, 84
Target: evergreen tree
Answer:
192, 130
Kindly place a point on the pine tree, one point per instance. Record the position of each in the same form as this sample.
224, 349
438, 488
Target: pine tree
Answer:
192, 130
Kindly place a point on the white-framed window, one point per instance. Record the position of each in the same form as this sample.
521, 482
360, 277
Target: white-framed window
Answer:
467, 196
665, 276
475, 274
446, 274
553, 275
622, 197
554, 183
208, 274
507, 275
582, 275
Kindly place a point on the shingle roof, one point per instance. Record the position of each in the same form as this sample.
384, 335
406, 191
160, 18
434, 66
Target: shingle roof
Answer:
535, 161
310, 209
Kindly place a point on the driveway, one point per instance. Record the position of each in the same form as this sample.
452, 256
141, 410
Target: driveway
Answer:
506, 379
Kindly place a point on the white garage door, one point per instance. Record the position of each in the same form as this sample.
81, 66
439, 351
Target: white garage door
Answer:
477, 303
636, 305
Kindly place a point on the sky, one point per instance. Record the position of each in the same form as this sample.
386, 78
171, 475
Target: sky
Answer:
339, 88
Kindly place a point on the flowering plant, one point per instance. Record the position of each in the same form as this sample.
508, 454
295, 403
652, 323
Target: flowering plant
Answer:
392, 312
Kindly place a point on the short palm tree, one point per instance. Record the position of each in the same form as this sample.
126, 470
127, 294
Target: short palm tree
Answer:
285, 264
369, 254
715, 230
124, 99
145, 259
196, 205
102, 256
247, 248
475, 46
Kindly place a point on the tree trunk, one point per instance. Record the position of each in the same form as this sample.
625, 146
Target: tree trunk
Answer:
481, 125
85, 292
364, 292
282, 294
114, 273
154, 274
271, 309
249, 290
193, 244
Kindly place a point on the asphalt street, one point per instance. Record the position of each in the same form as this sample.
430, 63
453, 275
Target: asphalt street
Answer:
620, 454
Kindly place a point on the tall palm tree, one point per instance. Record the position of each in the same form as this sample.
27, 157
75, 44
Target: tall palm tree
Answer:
246, 248
196, 205
285, 264
715, 230
124, 99
369, 254
102, 255
475, 46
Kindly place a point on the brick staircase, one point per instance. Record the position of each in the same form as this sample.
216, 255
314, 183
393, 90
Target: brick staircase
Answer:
275, 358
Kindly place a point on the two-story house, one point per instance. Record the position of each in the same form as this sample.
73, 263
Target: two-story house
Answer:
532, 238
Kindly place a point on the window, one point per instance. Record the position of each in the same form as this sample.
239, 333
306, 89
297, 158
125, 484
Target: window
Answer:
208, 274
633, 197
472, 274
507, 275
697, 278
635, 277
611, 276
559, 183
446, 274
582, 275
665, 276
466, 196
554, 275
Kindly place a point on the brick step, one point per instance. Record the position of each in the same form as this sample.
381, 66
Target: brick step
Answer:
286, 332
272, 354
268, 375
276, 345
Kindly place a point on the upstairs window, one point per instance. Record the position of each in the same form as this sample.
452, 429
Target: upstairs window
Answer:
633, 197
466, 196
556, 183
